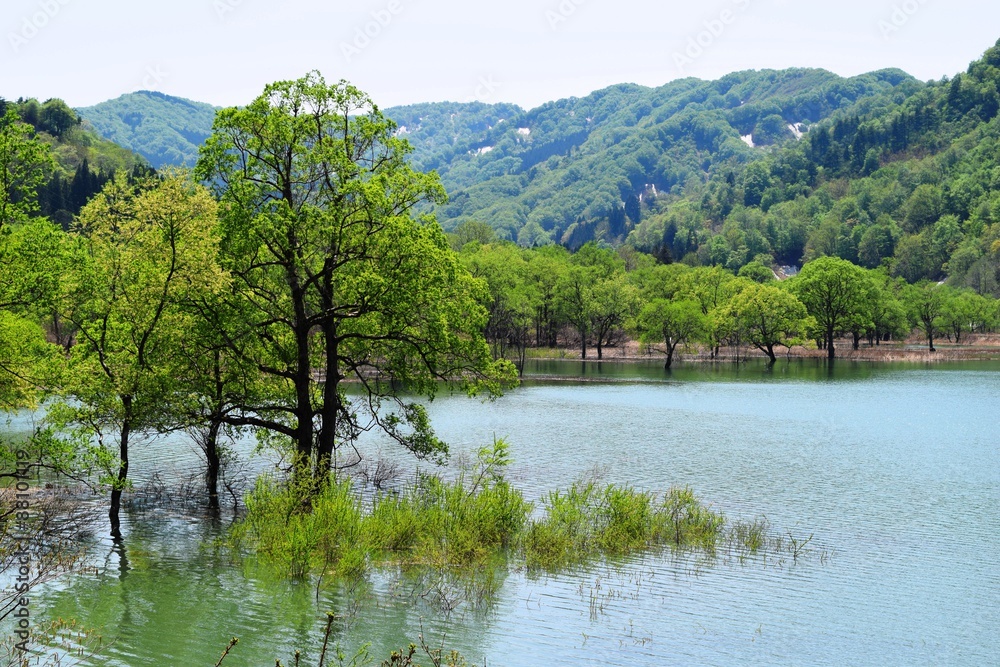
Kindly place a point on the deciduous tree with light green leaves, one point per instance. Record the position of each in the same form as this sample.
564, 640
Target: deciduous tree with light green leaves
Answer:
768, 316
672, 323
833, 291
337, 277
615, 300
926, 304
143, 249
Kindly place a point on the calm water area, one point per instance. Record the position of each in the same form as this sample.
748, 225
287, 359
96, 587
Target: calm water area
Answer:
893, 469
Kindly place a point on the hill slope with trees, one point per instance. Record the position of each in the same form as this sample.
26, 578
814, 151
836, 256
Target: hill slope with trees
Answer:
166, 130
768, 167
80, 161
910, 182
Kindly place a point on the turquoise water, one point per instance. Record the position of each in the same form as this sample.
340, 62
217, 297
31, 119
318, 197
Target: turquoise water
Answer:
894, 471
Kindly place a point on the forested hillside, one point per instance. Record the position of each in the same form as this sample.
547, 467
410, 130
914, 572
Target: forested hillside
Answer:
166, 130
574, 170
777, 166
909, 180
81, 161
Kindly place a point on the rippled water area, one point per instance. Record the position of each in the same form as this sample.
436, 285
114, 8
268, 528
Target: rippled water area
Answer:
893, 470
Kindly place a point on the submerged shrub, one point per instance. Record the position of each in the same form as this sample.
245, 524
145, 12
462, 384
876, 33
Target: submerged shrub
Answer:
476, 523
626, 520
587, 522
685, 521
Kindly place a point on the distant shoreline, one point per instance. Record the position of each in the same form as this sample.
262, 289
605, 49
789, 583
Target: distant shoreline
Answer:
980, 347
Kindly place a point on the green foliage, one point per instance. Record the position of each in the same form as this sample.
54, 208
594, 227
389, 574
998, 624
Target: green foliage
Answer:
469, 521
337, 274
139, 252
767, 316
587, 522
165, 130
23, 356
836, 293
24, 164
672, 323
473, 524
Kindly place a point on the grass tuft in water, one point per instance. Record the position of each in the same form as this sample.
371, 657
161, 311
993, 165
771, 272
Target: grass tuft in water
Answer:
476, 526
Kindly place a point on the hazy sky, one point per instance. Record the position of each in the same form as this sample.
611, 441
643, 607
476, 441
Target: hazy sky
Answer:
522, 51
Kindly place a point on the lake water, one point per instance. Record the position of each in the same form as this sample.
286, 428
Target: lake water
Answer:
894, 470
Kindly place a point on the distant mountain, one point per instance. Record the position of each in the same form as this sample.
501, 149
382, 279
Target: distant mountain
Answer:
771, 166
571, 170
556, 172
166, 130
907, 180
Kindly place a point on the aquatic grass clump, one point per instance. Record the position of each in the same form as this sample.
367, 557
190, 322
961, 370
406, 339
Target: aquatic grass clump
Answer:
473, 527
433, 522
684, 521
588, 521
278, 527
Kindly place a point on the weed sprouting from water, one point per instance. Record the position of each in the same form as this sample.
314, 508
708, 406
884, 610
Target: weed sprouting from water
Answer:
460, 538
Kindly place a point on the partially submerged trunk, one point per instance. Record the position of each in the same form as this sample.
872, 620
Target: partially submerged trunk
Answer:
670, 355
122, 477
214, 460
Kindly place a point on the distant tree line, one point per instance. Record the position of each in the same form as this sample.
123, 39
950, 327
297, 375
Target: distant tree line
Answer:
598, 296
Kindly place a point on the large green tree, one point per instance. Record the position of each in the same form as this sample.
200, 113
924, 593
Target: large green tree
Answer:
335, 275
834, 291
768, 316
672, 323
143, 250
926, 304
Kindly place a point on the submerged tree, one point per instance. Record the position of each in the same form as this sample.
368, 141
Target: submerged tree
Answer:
768, 316
673, 323
835, 292
143, 249
335, 276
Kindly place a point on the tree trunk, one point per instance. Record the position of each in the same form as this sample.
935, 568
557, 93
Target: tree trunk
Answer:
116, 490
857, 340
214, 466
770, 355
930, 340
670, 356
830, 352
330, 410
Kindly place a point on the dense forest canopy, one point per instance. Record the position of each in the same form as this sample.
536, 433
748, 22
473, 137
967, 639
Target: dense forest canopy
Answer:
167, 130
767, 167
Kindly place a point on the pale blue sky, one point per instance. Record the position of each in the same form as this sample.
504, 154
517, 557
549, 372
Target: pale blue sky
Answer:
522, 51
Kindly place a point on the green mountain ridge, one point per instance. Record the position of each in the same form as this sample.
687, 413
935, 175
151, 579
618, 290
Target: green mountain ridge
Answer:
780, 166
83, 161
166, 130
